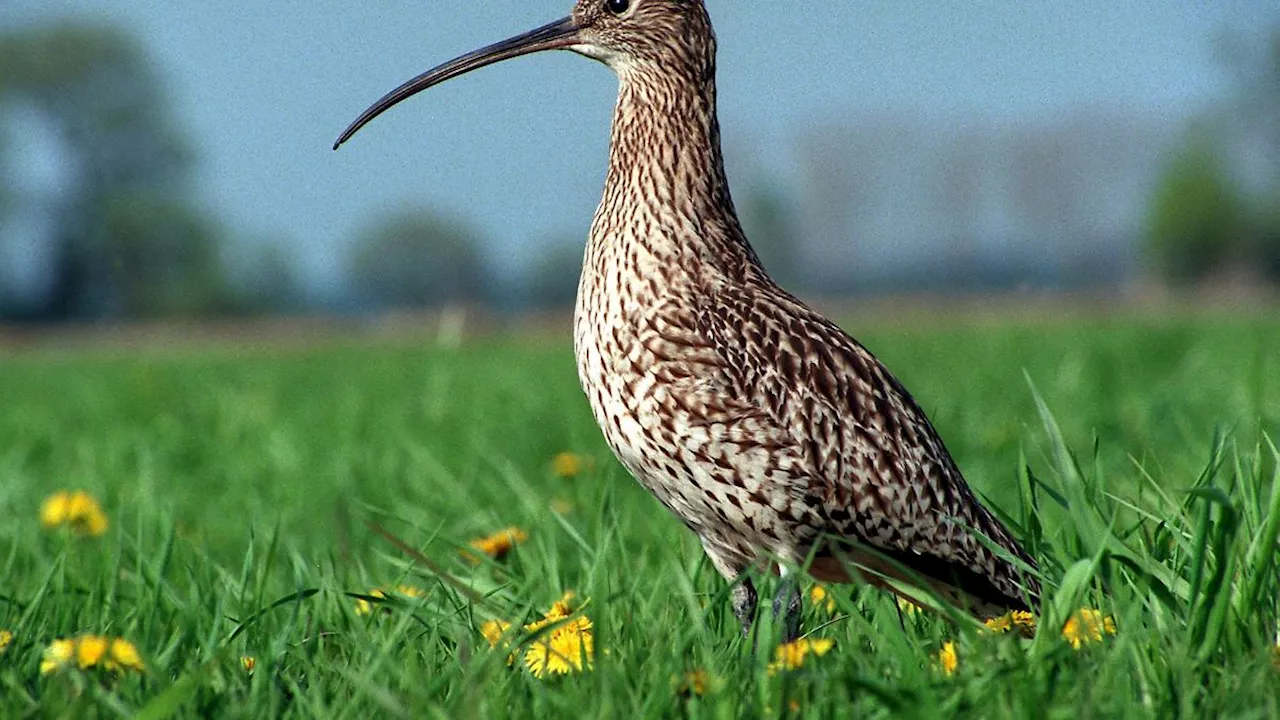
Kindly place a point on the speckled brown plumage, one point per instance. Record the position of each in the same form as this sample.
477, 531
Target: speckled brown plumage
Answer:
772, 434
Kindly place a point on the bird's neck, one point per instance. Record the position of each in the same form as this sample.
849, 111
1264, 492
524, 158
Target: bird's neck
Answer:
666, 193
666, 141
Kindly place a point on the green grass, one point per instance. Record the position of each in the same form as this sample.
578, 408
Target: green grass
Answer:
240, 486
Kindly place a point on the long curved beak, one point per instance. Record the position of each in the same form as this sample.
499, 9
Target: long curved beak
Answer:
558, 35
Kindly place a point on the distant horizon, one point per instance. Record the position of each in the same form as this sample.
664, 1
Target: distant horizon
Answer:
518, 150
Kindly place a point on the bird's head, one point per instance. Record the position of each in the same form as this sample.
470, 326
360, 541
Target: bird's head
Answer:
634, 37
658, 35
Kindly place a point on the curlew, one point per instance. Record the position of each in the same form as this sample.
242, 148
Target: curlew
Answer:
767, 430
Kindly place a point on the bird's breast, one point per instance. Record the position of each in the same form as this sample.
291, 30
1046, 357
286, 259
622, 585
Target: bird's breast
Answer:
658, 392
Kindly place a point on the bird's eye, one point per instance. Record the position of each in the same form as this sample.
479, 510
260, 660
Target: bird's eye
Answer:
617, 7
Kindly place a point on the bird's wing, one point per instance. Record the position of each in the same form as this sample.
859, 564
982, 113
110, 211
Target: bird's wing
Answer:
882, 473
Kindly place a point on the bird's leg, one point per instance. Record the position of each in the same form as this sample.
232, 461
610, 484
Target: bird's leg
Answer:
787, 603
744, 604
742, 592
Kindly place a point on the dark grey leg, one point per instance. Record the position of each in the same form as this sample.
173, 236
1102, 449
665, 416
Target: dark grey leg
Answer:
744, 604
742, 592
787, 604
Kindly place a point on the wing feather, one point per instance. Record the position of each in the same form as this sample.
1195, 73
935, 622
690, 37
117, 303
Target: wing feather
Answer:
882, 475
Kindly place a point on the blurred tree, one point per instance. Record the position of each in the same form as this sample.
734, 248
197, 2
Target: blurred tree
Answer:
1195, 217
1254, 62
416, 259
552, 280
1246, 129
1268, 237
1258, 71
124, 239
839, 192
264, 279
6, 192
163, 257
768, 218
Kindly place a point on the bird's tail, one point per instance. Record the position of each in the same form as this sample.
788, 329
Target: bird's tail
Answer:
954, 583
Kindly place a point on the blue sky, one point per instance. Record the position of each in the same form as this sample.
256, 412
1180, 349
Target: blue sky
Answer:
519, 149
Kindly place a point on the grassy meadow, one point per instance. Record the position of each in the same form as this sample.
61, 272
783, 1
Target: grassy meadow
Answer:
244, 489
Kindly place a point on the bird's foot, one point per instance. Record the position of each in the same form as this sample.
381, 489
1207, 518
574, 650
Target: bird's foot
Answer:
744, 604
787, 607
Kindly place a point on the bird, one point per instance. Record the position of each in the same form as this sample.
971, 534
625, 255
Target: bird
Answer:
773, 435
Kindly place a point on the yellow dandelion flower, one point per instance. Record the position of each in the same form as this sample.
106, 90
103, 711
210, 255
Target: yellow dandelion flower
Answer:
696, 683
57, 656
248, 663
568, 648
87, 517
90, 649
569, 465
1019, 620
537, 625
560, 643
1087, 626
563, 607
560, 506
411, 592
1022, 618
558, 611
823, 599
124, 656
6, 637
947, 658
364, 607
907, 607
53, 511
494, 631
76, 510
791, 656
498, 544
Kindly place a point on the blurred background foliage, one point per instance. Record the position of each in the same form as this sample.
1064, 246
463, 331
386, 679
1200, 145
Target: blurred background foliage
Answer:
417, 258
127, 239
1197, 221
1205, 220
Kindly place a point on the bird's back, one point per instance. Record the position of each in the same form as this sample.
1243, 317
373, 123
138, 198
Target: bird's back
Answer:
888, 491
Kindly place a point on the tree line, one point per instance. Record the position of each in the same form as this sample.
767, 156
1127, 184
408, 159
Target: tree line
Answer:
126, 239
1216, 209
